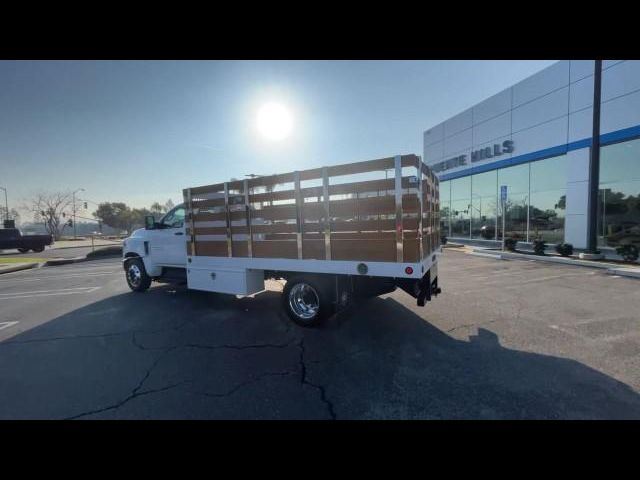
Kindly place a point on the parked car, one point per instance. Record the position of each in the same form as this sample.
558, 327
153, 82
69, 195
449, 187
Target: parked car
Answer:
629, 234
12, 238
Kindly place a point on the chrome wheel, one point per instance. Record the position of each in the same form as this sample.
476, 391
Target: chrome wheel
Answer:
304, 301
134, 275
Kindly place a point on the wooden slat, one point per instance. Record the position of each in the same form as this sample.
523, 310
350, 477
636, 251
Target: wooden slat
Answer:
361, 167
274, 228
276, 212
216, 188
271, 180
211, 248
271, 196
275, 249
313, 249
221, 216
373, 225
356, 250
411, 250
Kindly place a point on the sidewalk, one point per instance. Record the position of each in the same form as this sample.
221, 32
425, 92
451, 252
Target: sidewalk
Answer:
83, 243
625, 270
15, 267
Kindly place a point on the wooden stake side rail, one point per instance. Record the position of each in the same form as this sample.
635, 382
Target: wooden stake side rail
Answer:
395, 219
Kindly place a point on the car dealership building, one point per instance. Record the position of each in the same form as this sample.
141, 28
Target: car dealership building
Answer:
537, 139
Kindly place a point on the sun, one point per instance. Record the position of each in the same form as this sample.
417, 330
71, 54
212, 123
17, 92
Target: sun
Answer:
274, 121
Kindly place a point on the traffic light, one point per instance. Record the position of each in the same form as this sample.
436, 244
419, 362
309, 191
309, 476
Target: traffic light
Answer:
85, 205
64, 215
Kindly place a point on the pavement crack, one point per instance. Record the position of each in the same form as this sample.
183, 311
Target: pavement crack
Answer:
136, 391
305, 381
122, 402
244, 384
238, 347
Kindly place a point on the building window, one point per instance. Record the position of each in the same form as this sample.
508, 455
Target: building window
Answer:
548, 179
516, 179
483, 207
445, 208
619, 194
460, 207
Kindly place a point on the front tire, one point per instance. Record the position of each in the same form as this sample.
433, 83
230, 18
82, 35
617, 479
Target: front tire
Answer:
23, 250
306, 301
137, 277
38, 249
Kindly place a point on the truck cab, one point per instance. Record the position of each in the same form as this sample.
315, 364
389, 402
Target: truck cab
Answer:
161, 246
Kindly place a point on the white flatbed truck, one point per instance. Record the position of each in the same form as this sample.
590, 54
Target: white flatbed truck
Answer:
336, 234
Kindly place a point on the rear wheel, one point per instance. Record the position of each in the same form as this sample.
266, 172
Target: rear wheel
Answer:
305, 301
137, 277
23, 250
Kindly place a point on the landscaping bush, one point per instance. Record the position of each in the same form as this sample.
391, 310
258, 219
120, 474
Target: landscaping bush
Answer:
539, 246
564, 249
628, 252
510, 244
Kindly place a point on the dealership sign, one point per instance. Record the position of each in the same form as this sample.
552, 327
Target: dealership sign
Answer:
476, 156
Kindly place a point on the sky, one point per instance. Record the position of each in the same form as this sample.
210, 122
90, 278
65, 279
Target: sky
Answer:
141, 131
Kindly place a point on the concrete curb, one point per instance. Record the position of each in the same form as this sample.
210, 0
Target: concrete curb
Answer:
18, 267
611, 268
625, 272
64, 261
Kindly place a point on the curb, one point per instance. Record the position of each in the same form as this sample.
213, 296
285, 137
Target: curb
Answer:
624, 272
17, 268
610, 268
64, 261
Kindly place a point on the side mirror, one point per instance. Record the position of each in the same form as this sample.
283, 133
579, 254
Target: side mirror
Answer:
149, 222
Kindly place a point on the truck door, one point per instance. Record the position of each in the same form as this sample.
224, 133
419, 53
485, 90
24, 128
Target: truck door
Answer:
168, 244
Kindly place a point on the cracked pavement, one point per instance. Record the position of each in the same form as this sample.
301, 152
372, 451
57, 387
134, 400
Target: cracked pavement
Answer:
568, 347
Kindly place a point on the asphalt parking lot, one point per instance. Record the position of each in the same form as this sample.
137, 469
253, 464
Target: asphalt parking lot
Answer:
505, 340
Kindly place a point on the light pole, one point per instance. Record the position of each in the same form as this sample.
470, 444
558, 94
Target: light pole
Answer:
74, 211
6, 204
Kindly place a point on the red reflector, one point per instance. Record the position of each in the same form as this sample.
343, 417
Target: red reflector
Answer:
408, 270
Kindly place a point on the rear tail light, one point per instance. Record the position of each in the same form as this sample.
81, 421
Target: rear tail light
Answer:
408, 270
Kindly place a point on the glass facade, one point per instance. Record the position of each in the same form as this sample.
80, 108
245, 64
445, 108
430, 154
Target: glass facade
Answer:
536, 194
619, 194
460, 213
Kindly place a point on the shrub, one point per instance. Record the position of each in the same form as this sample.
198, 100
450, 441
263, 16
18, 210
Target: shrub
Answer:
628, 252
564, 249
539, 246
510, 244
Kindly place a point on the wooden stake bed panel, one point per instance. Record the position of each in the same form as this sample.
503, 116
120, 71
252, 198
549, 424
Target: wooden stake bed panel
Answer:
265, 217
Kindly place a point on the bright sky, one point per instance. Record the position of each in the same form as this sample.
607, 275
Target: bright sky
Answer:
141, 131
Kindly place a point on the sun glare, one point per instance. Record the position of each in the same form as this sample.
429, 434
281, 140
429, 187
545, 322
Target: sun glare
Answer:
274, 121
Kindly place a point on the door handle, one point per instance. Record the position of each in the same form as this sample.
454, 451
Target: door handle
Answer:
179, 233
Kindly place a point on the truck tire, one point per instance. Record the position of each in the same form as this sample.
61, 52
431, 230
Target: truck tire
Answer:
38, 249
306, 302
23, 250
137, 277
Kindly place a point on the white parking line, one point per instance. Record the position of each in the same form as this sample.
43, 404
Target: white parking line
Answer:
58, 277
47, 293
4, 325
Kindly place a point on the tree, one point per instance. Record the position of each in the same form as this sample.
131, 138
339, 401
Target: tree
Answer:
168, 206
47, 208
116, 214
157, 209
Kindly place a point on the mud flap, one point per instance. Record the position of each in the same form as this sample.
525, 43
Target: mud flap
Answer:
422, 289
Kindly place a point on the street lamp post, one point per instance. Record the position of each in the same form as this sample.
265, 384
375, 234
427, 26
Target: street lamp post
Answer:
6, 204
74, 211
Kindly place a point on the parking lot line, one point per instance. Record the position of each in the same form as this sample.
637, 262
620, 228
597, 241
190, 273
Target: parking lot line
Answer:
4, 325
47, 293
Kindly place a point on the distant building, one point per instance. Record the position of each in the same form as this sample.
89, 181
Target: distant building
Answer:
535, 138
